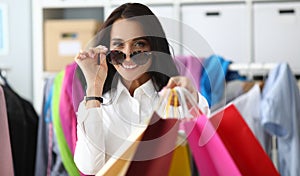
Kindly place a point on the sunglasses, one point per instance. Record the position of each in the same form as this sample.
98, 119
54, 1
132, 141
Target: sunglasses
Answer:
116, 57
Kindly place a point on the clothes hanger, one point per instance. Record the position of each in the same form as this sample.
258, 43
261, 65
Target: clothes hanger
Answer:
3, 80
2, 77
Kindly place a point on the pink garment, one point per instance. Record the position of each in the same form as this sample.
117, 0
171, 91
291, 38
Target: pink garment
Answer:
66, 108
190, 67
77, 90
209, 152
6, 166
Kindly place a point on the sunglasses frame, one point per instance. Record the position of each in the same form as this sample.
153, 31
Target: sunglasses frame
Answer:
123, 55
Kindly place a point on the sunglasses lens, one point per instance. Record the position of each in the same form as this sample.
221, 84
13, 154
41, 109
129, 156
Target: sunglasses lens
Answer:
115, 57
140, 57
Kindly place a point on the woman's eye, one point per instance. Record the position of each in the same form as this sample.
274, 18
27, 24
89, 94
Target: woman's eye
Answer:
117, 44
140, 44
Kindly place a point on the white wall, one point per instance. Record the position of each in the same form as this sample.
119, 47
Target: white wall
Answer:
19, 56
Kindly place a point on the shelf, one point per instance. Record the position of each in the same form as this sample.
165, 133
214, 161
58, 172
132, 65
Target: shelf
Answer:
275, 1
47, 4
187, 2
69, 9
147, 2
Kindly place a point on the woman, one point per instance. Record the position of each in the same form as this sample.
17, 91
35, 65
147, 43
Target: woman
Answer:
135, 64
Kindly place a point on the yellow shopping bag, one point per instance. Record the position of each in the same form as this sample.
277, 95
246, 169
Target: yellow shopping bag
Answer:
181, 160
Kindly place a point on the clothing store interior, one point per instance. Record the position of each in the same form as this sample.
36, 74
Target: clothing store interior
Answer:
234, 110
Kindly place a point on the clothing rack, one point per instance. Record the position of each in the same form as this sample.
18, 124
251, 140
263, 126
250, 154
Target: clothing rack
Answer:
252, 66
252, 70
256, 71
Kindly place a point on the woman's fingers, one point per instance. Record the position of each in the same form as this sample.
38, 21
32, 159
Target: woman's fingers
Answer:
95, 73
98, 50
101, 53
183, 82
179, 81
93, 53
81, 55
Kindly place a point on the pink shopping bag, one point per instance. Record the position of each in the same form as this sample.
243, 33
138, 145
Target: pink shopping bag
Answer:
208, 150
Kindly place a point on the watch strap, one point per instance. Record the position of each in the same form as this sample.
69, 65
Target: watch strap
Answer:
100, 99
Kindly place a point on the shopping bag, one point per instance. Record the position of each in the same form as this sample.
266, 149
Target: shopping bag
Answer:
148, 151
211, 157
210, 154
181, 161
241, 143
118, 166
155, 151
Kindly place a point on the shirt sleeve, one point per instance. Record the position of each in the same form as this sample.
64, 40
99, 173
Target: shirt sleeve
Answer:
89, 153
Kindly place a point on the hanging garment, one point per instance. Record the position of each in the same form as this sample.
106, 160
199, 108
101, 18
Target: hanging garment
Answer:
244, 148
248, 105
233, 89
48, 159
79, 87
213, 77
280, 117
6, 166
190, 67
57, 168
23, 122
66, 108
65, 152
43, 140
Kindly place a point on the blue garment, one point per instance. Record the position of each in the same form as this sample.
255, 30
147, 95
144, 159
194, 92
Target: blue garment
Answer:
46, 139
280, 111
214, 75
41, 161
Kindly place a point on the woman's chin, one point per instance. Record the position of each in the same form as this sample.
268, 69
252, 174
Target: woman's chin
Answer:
131, 77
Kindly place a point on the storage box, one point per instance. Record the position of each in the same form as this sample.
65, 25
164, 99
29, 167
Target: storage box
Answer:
63, 39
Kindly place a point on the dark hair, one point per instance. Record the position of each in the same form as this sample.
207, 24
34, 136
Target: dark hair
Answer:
163, 66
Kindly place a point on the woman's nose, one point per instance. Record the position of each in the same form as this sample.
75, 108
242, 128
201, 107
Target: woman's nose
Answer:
127, 51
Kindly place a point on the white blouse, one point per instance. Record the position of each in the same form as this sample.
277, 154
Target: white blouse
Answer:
101, 131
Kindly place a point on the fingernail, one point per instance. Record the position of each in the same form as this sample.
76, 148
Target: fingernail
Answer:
105, 49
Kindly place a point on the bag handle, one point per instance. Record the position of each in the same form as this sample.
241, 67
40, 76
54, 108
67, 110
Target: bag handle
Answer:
172, 96
168, 104
177, 102
188, 103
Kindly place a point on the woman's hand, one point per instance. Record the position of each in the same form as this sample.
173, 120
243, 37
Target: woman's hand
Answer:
94, 73
185, 82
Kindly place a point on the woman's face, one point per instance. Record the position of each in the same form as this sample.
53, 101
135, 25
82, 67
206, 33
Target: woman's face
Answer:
128, 36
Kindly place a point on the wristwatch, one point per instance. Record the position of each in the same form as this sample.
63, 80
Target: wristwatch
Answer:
86, 99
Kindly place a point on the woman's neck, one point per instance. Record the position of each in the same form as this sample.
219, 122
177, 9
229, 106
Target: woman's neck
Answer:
132, 85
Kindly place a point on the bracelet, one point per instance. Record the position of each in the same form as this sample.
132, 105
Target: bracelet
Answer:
100, 99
